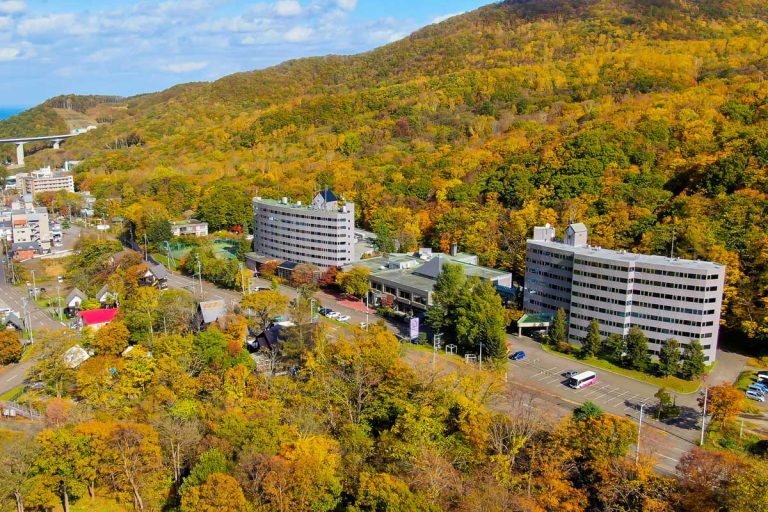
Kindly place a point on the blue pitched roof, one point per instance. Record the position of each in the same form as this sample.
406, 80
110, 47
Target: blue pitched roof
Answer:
328, 196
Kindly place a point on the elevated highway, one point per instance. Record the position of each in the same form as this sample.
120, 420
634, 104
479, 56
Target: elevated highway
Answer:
20, 141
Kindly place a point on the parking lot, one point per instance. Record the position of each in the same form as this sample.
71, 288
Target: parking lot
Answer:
611, 398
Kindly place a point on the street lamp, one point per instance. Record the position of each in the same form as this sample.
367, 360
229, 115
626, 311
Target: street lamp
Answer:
34, 286
435, 345
639, 429
703, 417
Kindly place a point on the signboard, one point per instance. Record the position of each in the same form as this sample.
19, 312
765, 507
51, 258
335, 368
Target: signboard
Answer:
414, 327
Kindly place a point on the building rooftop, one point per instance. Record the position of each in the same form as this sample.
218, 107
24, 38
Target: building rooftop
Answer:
98, 316
188, 222
629, 257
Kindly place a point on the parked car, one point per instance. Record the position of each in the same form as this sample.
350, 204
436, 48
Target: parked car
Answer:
343, 318
324, 311
570, 373
517, 355
763, 386
333, 314
755, 396
756, 389
762, 372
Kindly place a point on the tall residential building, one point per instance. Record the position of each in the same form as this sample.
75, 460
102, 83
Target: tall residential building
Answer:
665, 297
44, 180
321, 233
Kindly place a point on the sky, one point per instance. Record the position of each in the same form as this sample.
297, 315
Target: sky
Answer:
121, 47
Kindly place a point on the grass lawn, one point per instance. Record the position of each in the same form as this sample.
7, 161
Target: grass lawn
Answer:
745, 379
12, 394
671, 383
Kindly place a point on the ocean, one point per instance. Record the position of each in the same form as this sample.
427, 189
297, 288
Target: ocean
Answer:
6, 112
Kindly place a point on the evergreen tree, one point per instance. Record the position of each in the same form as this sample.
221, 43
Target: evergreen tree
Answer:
669, 357
613, 347
558, 333
449, 287
693, 360
592, 342
481, 319
637, 350
587, 410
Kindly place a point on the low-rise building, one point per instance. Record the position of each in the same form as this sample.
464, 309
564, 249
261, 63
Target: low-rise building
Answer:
189, 228
406, 281
97, 318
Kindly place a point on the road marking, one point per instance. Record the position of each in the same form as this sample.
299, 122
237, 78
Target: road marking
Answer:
9, 379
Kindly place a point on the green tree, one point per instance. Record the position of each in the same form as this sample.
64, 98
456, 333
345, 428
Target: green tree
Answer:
481, 318
669, 357
10, 347
226, 205
587, 410
693, 360
210, 462
637, 356
613, 347
448, 290
558, 333
383, 492
355, 282
158, 230
17, 458
591, 344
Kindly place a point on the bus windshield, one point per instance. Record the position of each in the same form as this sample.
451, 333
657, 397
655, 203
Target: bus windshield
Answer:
582, 379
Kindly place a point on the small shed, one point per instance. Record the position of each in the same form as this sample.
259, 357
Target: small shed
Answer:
75, 356
209, 311
73, 300
97, 318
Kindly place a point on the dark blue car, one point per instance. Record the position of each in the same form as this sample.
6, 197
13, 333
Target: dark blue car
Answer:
517, 355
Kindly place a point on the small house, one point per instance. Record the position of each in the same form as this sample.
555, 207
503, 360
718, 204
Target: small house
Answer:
12, 319
106, 297
73, 301
156, 275
208, 312
97, 318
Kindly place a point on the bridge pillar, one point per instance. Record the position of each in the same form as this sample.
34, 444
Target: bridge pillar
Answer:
20, 153
56, 143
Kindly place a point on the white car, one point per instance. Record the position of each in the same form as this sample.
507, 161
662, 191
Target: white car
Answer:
343, 318
333, 314
755, 396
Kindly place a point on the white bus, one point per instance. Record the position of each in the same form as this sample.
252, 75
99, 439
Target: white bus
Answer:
582, 380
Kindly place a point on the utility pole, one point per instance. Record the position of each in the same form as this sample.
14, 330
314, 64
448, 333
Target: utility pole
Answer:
366, 313
639, 430
200, 276
703, 417
34, 286
145, 247
481, 355
242, 278
672, 251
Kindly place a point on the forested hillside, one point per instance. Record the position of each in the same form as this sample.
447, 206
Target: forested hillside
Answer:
639, 118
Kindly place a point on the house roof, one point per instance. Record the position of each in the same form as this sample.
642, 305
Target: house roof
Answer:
75, 293
13, 319
579, 227
103, 292
98, 316
327, 195
25, 246
211, 310
75, 356
159, 271
288, 265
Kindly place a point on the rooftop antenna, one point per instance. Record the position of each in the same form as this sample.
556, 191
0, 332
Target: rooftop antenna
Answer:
672, 251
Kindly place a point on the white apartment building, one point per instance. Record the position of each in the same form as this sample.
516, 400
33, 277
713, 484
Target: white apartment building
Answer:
189, 228
665, 297
321, 233
44, 180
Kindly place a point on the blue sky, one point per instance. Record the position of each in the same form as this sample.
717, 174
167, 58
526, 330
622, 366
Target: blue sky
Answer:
52, 47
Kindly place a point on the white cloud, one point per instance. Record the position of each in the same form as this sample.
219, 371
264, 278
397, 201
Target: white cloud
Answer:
347, 5
57, 25
6, 23
184, 67
12, 7
288, 8
7, 54
299, 34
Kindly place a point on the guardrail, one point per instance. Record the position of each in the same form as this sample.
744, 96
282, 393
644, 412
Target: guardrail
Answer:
12, 409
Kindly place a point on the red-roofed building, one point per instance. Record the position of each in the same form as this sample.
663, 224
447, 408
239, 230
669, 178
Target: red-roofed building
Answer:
97, 318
